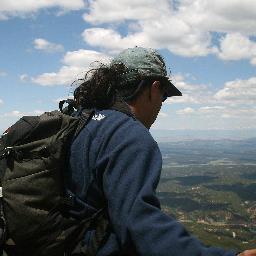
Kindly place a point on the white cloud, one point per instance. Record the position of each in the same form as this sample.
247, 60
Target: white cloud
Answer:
236, 46
153, 35
185, 111
168, 30
110, 39
162, 114
84, 58
183, 27
253, 61
210, 109
103, 11
242, 113
214, 112
76, 64
1, 102
179, 81
14, 113
18, 114
3, 73
220, 16
9, 8
44, 45
231, 107
185, 98
238, 92
191, 93
24, 78
229, 113
217, 113
64, 76
233, 93
3, 17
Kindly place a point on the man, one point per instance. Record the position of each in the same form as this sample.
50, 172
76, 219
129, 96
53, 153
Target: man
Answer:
116, 163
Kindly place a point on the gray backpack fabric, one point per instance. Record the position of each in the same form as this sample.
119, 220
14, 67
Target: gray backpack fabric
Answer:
34, 217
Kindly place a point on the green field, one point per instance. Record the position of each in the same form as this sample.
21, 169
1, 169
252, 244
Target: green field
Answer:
210, 187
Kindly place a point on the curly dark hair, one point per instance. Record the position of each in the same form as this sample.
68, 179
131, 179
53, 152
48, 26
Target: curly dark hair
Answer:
98, 88
101, 86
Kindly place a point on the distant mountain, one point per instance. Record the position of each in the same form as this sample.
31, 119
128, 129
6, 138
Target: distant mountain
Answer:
184, 135
205, 151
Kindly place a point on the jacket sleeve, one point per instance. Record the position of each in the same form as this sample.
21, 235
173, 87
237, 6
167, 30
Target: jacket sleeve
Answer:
132, 165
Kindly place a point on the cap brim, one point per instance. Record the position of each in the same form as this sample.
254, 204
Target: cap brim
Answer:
171, 89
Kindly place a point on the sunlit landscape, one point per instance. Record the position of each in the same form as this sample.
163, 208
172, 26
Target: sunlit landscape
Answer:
210, 186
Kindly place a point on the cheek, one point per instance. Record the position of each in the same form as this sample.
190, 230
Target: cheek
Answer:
157, 110
159, 107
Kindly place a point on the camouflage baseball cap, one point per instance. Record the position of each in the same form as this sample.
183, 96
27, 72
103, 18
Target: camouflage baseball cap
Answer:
148, 63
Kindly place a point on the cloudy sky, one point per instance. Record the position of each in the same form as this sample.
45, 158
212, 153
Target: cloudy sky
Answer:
209, 46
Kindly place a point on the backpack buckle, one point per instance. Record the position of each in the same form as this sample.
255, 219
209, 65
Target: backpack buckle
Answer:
2, 223
2, 230
18, 155
6, 152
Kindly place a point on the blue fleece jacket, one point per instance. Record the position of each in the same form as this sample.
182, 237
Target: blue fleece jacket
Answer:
114, 158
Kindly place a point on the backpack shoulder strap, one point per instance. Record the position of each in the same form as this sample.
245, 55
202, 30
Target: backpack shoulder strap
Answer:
85, 116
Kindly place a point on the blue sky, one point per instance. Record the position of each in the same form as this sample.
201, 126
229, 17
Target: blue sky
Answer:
209, 46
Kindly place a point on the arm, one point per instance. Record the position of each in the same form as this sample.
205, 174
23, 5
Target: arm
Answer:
132, 169
248, 253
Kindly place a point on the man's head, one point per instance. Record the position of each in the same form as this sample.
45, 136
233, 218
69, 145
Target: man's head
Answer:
138, 75
145, 84
144, 64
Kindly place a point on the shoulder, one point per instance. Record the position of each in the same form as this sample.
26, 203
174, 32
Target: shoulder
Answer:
111, 130
119, 126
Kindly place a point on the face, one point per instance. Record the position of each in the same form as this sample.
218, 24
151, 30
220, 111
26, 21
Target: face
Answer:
157, 96
146, 108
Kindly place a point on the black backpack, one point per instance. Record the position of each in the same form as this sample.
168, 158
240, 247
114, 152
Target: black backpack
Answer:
34, 218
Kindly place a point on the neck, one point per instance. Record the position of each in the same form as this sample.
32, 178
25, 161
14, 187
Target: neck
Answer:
140, 115
122, 106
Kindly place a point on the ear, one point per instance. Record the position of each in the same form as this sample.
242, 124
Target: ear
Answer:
156, 85
155, 89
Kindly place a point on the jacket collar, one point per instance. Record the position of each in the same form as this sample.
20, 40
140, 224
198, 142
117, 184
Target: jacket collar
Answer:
121, 106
